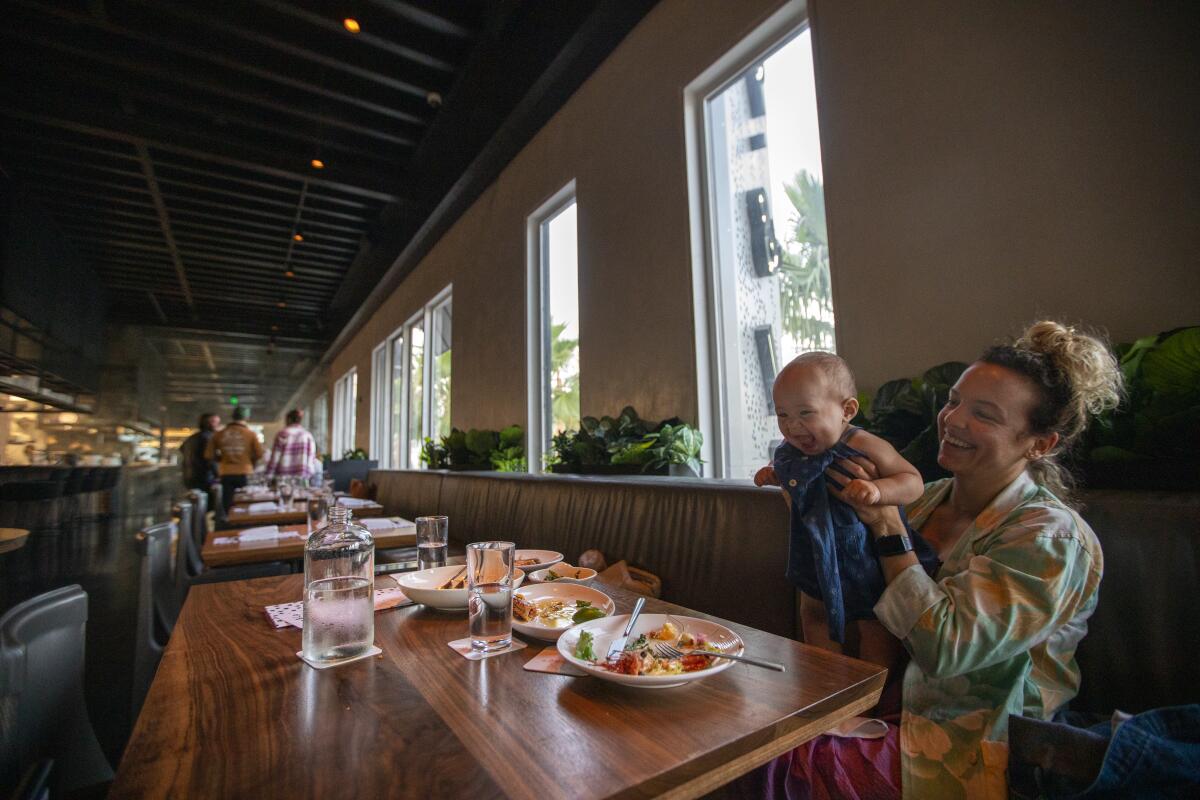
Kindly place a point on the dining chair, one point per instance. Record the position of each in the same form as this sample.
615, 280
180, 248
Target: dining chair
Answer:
41, 692
158, 606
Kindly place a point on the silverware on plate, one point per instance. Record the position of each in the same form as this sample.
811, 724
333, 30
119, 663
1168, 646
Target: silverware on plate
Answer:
667, 651
618, 645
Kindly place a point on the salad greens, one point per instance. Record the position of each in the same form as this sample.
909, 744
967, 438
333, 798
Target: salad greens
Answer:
583, 648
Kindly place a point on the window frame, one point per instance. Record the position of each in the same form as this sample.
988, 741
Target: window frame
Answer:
383, 421
712, 364
539, 415
345, 398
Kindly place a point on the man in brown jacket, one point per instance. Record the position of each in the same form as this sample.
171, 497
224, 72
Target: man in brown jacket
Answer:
236, 449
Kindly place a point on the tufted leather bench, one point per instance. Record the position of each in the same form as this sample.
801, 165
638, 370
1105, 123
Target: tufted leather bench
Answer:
721, 547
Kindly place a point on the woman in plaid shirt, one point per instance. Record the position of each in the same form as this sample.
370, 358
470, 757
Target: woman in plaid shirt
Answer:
294, 452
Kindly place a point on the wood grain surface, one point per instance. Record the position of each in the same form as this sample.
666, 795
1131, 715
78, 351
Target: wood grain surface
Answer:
233, 713
292, 548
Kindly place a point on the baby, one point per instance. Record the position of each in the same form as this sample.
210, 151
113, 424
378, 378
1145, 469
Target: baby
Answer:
831, 558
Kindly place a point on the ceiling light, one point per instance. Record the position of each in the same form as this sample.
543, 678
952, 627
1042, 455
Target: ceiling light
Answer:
298, 237
434, 99
289, 274
281, 304
317, 163
351, 24
274, 327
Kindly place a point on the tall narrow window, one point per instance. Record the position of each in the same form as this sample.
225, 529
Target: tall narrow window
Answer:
415, 332
345, 395
379, 405
767, 255
318, 423
554, 322
396, 411
439, 369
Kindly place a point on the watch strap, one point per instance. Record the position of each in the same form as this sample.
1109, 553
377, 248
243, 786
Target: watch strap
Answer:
894, 545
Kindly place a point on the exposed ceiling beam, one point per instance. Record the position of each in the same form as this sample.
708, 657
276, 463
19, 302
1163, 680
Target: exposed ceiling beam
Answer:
162, 142
164, 219
365, 37
427, 19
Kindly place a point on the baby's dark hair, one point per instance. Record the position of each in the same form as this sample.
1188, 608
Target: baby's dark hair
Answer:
834, 367
1076, 376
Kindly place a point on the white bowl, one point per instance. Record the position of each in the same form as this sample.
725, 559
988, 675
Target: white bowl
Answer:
562, 591
606, 629
545, 558
565, 572
421, 587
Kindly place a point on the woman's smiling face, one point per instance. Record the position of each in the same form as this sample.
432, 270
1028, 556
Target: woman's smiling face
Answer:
984, 427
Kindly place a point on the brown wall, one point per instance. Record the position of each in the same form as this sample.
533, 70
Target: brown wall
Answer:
985, 164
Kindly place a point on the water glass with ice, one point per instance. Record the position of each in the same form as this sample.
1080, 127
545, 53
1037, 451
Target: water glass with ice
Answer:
432, 541
489, 602
318, 511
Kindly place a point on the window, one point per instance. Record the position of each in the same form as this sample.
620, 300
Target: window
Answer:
553, 331
380, 377
762, 266
345, 395
403, 413
318, 423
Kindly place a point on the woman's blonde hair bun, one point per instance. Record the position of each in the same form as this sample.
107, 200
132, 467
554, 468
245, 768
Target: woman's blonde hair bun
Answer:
1084, 360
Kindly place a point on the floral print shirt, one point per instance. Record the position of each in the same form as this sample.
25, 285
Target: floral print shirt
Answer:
992, 634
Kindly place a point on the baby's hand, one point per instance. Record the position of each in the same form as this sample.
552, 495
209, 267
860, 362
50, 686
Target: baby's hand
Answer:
766, 477
862, 492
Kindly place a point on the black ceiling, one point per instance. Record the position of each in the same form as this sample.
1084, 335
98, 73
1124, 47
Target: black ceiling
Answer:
173, 142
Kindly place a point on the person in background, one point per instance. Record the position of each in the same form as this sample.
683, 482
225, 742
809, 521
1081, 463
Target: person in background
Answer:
237, 450
199, 472
294, 452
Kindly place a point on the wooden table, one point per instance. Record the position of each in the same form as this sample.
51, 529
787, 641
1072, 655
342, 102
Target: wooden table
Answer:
227, 553
233, 712
240, 516
12, 539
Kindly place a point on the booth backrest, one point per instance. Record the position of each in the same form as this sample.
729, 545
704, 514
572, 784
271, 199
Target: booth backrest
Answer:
721, 547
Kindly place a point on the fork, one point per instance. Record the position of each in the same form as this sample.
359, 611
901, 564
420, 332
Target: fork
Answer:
667, 651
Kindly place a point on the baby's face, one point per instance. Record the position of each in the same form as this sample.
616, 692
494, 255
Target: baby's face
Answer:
812, 417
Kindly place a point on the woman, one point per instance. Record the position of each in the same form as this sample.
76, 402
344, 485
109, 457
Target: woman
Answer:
995, 633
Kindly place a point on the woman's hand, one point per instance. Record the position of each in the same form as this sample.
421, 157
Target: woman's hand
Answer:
840, 486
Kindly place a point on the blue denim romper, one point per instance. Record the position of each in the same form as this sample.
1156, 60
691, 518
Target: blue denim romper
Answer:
830, 556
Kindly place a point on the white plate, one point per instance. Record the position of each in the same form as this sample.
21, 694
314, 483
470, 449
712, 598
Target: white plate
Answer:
606, 629
565, 572
422, 586
562, 591
546, 558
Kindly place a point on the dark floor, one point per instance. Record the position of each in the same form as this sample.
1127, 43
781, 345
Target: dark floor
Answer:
100, 557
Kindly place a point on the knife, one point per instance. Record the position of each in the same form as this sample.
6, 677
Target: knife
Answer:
617, 646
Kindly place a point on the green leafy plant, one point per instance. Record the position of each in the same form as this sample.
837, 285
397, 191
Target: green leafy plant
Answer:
626, 440
476, 449
904, 412
357, 454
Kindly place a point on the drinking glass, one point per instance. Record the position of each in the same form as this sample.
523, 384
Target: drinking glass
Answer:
285, 493
318, 511
489, 604
432, 541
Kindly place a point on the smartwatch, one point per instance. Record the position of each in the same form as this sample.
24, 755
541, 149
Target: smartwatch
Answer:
894, 545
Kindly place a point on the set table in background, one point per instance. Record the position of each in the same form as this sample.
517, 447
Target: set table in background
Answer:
267, 512
225, 548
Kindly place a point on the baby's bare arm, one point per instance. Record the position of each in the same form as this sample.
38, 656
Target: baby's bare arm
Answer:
899, 482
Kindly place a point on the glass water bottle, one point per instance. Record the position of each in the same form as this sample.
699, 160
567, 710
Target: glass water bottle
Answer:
339, 590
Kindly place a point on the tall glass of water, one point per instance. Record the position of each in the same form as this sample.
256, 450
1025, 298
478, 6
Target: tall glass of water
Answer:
432, 541
285, 493
489, 604
318, 511
339, 596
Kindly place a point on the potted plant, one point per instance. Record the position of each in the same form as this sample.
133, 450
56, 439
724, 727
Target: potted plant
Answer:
474, 449
628, 445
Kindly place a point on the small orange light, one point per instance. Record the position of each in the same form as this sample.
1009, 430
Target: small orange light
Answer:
317, 163
274, 327
289, 274
281, 304
298, 237
351, 24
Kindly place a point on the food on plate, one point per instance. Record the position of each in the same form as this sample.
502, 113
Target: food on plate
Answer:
639, 657
583, 648
526, 562
555, 612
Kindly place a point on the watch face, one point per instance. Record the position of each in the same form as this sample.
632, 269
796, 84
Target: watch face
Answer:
893, 545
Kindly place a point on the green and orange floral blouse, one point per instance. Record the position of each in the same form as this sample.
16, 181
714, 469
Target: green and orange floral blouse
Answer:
993, 634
